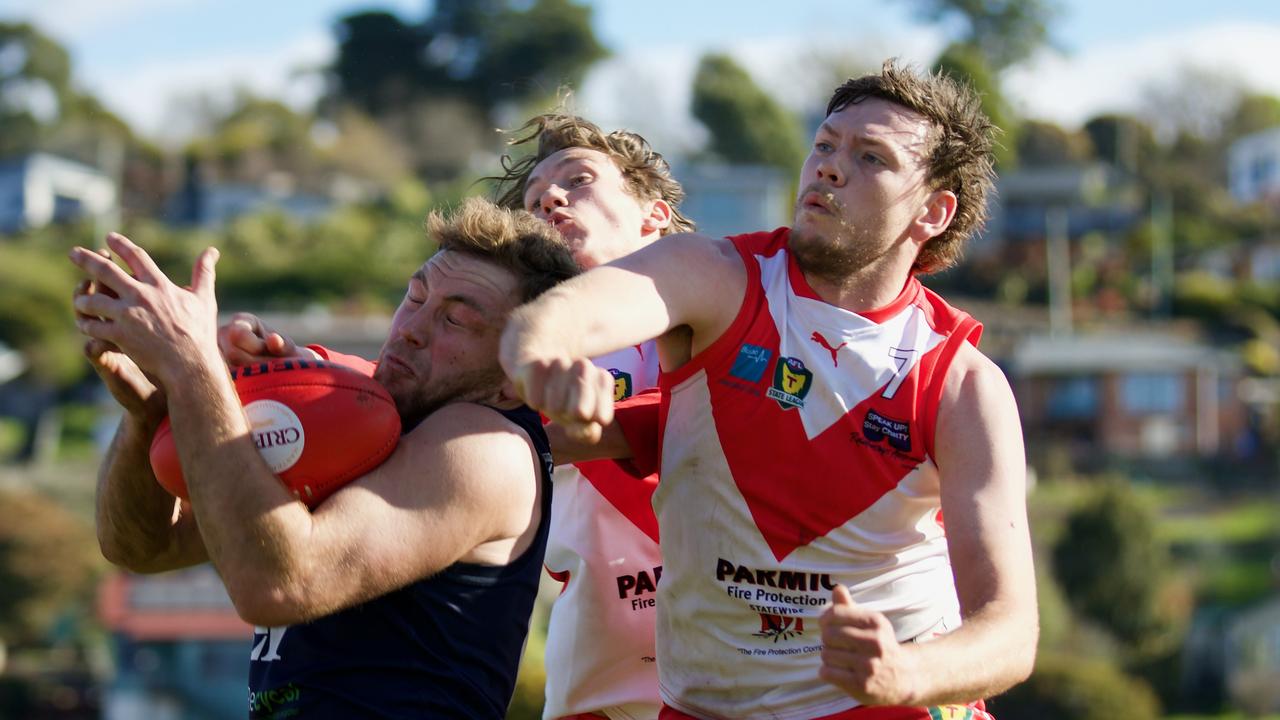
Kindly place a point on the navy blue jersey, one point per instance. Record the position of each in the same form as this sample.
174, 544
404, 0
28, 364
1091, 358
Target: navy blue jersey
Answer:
445, 647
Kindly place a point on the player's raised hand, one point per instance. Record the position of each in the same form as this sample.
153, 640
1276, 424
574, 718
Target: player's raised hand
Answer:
860, 654
152, 320
245, 339
575, 394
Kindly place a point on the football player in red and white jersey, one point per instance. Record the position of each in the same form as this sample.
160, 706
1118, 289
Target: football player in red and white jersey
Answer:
822, 413
609, 194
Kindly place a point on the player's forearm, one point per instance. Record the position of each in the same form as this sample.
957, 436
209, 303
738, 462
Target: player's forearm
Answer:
542, 330
135, 516
252, 527
991, 652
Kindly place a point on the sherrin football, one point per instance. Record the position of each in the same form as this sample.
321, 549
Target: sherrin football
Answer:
317, 424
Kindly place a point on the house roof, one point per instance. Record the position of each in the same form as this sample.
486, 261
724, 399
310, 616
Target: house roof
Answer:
1118, 352
185, 604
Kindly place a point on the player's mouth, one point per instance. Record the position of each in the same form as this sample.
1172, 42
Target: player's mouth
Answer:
396, 365
560, 220
816, 201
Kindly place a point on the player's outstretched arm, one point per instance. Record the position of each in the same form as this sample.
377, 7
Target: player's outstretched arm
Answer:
690, 281
980, 457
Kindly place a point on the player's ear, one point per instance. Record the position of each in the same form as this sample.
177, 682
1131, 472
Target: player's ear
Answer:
657, 218
938, 211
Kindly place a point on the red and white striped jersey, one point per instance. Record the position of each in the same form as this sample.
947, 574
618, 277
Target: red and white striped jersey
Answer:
796, 454
600, 654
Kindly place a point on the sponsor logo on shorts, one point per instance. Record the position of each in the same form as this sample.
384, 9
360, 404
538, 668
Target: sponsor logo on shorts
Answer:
791, 382
621, 384
751, 362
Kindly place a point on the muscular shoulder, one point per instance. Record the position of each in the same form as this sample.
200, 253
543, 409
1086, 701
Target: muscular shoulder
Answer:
978, 417
473, 429
477, 450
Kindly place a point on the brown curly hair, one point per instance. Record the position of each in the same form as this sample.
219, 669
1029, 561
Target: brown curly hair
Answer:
646, 173
510, 238
960, 157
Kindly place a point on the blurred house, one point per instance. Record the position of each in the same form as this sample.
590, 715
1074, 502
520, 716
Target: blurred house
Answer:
1253, 167
1095, 197
732, 199
180, 650
1253, 659
1147, 396
211, 204
39, 189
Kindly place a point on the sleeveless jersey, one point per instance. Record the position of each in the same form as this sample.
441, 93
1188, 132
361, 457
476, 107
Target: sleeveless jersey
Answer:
603, 546
797, 454
445, 646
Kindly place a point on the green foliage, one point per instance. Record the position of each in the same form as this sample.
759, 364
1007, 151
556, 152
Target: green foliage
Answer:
35, 81
435, 85
1252, 113
1002, 31
35, 312
487, 51
48, 562
1075, 688
1044, 143
747, 126
1114, 569
965, 63
1123, 141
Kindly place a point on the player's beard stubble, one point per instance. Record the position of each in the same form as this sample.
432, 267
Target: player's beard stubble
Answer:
834, 247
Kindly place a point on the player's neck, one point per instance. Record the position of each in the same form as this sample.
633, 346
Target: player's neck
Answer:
862, 291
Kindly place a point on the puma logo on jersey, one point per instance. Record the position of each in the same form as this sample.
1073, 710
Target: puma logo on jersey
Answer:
818, 338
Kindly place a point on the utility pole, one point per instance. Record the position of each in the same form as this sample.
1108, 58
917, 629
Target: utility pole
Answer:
1058, 258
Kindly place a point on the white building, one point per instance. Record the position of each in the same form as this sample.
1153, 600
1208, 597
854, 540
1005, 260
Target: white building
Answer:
1253, 167
39, 189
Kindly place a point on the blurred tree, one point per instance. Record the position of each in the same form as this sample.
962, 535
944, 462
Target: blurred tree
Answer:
1004, 32
747, 126
1252, 113
256, 137
378, 66
1044, 143
437, 84
48, 562
966, 63
1124, 141
1114, 571
35, 311
1194, 101
1075, 688
35, 80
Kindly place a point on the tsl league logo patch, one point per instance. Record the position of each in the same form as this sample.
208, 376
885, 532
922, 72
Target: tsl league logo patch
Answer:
621, 384
791, 382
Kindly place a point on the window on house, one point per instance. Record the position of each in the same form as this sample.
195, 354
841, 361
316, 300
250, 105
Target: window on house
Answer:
1152, 393
1073, 398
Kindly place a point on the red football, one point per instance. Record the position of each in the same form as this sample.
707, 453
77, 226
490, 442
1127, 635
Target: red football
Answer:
317, 424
